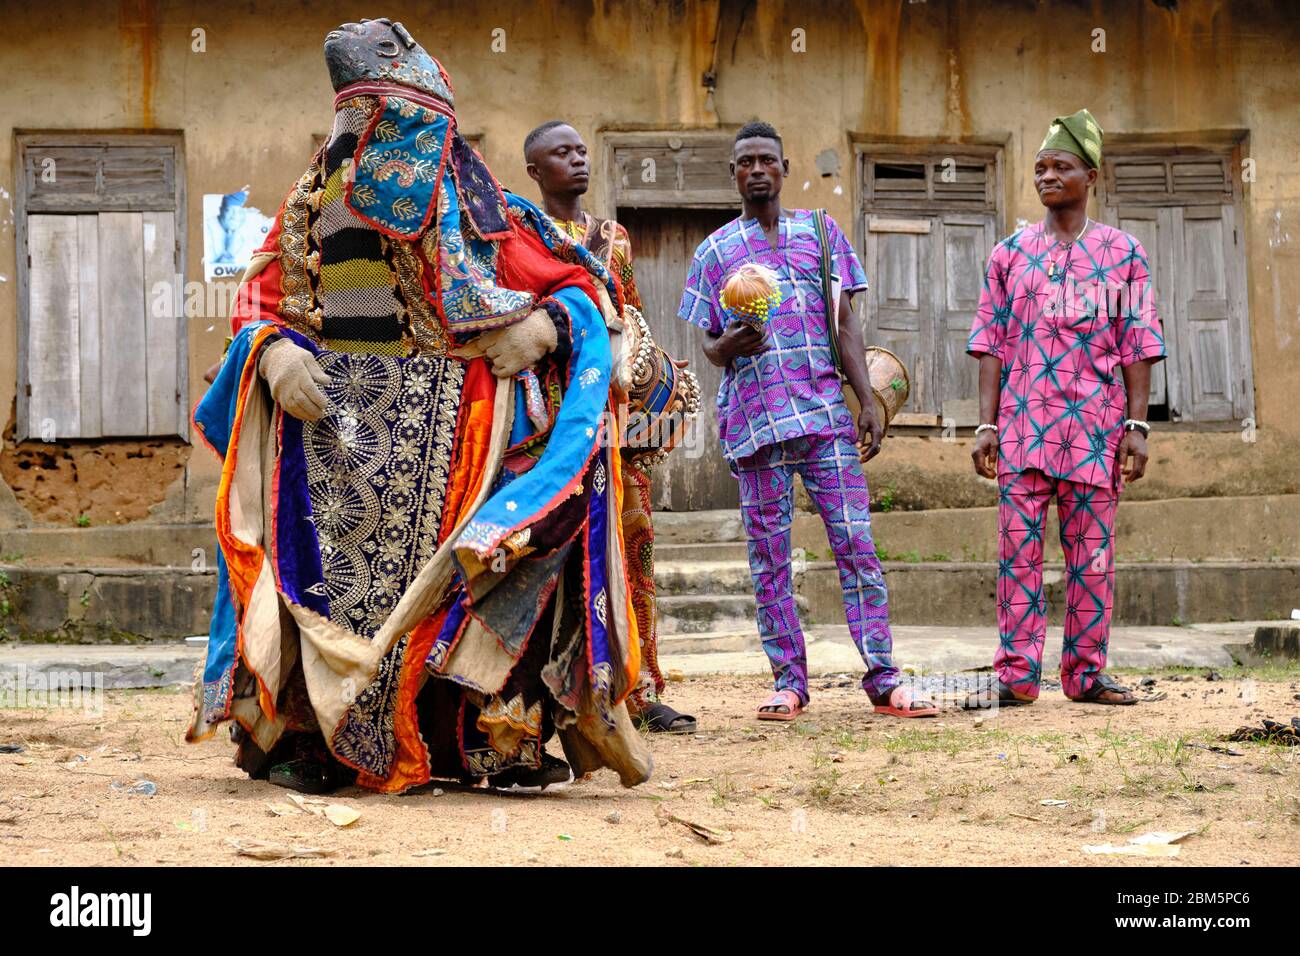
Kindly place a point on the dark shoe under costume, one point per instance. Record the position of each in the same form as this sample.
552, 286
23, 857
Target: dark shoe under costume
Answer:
553, 774
661, 719
307, 775
301, 762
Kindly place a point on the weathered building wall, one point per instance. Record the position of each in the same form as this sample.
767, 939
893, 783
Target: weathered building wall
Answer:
987, 72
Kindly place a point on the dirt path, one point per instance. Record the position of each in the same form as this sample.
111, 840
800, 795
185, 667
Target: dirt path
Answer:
841, 786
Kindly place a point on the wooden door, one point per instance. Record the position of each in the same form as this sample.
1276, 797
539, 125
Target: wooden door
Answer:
1194, 259
695, 476
102, 356
899, 301
963, 243
1210, 359
1152, 227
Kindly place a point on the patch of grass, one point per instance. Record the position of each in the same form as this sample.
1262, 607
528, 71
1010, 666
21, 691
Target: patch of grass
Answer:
723, 790
1131, 825
949, 740
825, 784
887, 500
83, 521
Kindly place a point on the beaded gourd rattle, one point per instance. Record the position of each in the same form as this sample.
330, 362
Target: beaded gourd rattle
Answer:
751, 295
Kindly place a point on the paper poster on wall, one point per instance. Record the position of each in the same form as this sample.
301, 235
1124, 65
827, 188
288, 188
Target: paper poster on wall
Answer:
232, 232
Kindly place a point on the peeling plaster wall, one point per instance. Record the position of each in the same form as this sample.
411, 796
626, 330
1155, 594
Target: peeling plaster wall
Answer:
990, 71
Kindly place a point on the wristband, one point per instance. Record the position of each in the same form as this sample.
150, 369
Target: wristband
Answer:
1136, 425
986, 427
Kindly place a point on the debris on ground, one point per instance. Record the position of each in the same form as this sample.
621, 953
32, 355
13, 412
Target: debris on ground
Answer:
1271, 732
11, 748
265, 850
336, 813
1213, 676
705, 833
613, 817
141, 788
1156, 843
430, 852
1215, 749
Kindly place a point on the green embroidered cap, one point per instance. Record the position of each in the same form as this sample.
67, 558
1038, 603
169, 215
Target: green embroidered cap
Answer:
1077, 133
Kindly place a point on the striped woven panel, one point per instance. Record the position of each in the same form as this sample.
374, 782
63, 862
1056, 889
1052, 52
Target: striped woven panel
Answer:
356, 292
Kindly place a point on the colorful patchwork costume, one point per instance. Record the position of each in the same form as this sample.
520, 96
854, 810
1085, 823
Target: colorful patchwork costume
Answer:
782, 413
608, 241
1064, 323
429, 580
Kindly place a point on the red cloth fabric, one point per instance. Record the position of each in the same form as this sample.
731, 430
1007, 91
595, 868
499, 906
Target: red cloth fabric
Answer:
526, 265
260, 297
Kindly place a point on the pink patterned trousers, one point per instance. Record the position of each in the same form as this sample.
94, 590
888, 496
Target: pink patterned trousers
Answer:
1087, 518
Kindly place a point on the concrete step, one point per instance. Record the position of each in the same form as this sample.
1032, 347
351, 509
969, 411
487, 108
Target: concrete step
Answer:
95, 667
105, 605
120, 605
705, 613
703, 577
45, 668
952, 650
697, 527
1177, 529
1154, 594
707, 551
163, 545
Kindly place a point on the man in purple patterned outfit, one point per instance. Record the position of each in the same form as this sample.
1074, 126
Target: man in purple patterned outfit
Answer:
781, 411
1066, 335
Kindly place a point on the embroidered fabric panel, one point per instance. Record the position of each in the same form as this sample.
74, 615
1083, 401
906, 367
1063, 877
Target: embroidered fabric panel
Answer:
365, 737
480, 194
597, 596
399, 167
470, 298
378, 465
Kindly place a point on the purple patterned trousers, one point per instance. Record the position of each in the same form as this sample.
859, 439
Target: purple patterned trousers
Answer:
833, 476
1087, 518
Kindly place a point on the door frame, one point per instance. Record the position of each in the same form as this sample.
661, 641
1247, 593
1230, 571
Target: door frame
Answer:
25, 141
991, 152
610, 194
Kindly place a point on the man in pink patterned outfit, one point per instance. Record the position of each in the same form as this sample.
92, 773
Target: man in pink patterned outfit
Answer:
781, 412
1066, 335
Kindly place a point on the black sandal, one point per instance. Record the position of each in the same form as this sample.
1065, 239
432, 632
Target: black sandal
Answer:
984, 698
661, 719
1101, 683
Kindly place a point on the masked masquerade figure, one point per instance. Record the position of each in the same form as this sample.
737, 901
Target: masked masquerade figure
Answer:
423, 569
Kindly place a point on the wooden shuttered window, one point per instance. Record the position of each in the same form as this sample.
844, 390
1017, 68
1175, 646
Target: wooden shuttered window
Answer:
929, 220
1184, 209
1184, 180
678, 170
934, 183
102, 348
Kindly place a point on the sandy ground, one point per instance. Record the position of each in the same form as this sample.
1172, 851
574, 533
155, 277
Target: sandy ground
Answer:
840, 786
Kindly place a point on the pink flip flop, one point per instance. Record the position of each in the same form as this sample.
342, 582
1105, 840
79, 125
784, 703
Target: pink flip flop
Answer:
782, 698
900, 704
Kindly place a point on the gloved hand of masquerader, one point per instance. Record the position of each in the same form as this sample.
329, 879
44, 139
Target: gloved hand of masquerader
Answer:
516, 347
294, 377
